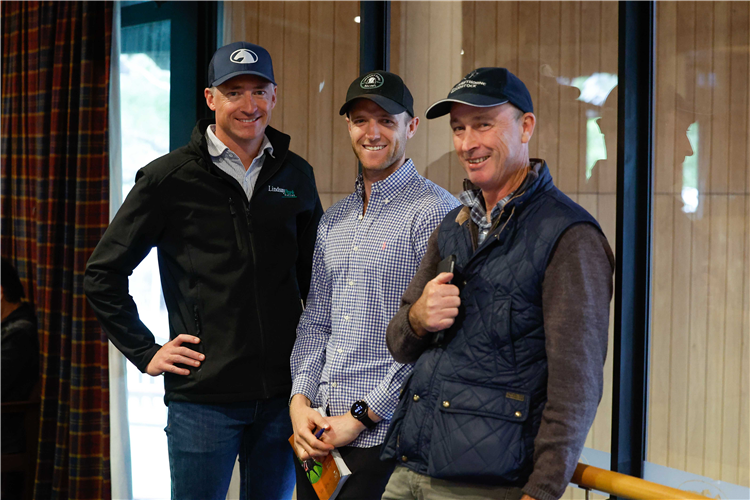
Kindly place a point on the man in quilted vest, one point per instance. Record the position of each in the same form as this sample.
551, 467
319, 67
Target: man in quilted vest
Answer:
510, 346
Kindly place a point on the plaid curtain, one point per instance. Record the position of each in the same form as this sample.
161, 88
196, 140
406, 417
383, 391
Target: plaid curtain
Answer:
55, 206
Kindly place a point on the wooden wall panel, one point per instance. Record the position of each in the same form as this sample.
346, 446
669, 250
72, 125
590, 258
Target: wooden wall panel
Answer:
666, 75
715, 335
738, 97
702, 82
547, 106
321, 99
744, 434
679, 339
736, 276
315, 49
345, 70
659, 380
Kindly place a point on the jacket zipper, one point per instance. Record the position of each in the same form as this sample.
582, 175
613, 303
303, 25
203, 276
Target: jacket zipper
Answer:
197, 321
198, 332
233, 212
248, 219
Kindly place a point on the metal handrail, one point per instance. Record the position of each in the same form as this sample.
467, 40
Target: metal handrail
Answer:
624, 486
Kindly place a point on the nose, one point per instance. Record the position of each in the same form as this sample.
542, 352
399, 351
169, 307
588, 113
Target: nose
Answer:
469, 140
373, 131
249, 105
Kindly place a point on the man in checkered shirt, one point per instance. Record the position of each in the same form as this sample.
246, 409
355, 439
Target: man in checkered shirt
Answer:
368, 247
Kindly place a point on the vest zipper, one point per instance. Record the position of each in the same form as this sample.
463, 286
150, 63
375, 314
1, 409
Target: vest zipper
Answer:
512, 211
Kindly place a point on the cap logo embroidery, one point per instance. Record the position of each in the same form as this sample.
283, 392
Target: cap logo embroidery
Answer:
372, 81
243, 56
465, 83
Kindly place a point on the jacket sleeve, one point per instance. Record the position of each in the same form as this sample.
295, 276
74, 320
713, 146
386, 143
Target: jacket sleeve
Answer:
577, 290
405, 345
383, 399
307, 228
131, 235
314, 329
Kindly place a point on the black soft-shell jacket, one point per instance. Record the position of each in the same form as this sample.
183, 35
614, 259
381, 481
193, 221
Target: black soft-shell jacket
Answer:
233, 272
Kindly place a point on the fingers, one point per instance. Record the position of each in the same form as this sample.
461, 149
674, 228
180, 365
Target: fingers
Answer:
183, 337
443, 278
169, 368
173, 353
184, 352
305, 420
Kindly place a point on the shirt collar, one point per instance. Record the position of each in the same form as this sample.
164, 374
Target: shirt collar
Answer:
216, 148
472, 197
391, 185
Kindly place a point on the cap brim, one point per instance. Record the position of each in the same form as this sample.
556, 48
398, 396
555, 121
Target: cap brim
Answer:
391, 107
228, 77
443, 107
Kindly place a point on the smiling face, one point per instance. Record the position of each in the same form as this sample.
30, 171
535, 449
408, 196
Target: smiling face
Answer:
379, 138
492, 144
243, 107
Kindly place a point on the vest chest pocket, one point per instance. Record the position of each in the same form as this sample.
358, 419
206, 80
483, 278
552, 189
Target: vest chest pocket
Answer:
478, 433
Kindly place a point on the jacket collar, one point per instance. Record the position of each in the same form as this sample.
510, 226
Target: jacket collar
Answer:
279, 141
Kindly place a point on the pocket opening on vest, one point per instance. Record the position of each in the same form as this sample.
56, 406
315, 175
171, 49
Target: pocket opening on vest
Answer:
478, 433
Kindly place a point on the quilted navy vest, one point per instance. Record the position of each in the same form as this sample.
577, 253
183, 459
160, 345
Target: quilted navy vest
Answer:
472, 407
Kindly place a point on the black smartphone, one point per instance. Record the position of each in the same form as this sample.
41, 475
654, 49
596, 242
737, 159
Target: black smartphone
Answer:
447, 265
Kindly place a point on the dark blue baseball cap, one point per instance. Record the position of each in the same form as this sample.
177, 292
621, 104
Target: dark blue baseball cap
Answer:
239, 58
483, 88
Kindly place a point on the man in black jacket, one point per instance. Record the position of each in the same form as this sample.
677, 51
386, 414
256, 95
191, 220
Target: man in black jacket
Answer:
233, 216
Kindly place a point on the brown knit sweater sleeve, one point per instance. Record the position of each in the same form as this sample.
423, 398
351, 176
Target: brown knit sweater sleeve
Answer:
405, 345
577, 290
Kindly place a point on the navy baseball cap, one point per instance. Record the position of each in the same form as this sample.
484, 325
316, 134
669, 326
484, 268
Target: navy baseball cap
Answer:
239, 58
383, 88
483, 88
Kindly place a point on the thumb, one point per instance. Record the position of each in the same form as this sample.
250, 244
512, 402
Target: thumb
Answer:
321, 421
443, 278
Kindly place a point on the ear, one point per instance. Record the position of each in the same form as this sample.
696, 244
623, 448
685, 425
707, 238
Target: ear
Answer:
273, 97
528, 122
209, 99
411, 127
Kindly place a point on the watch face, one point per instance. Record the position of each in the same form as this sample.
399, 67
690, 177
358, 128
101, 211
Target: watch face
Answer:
359, 408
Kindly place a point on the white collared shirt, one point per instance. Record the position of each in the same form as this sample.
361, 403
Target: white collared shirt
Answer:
228, 161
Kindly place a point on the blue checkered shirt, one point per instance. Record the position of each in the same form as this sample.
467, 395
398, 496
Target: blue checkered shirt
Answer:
361, 266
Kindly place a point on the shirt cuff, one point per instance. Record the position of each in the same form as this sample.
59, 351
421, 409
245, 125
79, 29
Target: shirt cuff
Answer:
305, 386
382, 403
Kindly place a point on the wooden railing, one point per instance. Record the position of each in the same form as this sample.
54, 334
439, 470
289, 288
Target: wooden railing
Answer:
624, 486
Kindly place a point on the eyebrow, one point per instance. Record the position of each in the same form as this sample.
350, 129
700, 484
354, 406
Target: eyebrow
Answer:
475, 118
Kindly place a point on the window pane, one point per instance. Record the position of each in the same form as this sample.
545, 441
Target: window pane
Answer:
315, 51
698, 400
566, 54
144, 80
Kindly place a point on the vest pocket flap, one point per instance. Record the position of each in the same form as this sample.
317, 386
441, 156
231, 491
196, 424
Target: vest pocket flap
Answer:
494, 402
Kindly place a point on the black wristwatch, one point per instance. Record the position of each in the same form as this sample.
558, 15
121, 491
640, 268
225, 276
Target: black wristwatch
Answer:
359, 411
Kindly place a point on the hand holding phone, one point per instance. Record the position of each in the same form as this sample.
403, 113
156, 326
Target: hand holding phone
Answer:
447, 265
